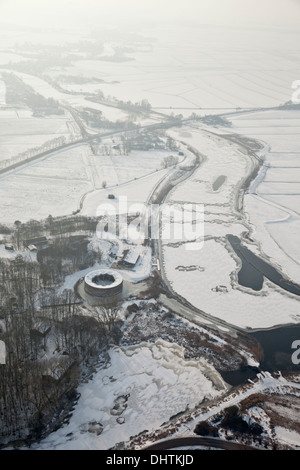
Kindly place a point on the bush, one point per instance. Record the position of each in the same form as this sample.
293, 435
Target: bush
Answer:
256, 429
234, 421
205, 429
132, 308
5, 230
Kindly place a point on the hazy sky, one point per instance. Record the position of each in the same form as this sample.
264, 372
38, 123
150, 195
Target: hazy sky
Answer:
67, 13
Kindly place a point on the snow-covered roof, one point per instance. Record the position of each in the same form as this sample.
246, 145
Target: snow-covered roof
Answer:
133, 255
32, 247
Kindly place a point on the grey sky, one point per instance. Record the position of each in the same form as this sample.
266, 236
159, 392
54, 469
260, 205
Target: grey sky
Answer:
67, 13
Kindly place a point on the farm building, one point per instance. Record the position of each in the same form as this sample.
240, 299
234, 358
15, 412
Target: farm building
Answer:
132, 257
40, 242
32, 248
9, 247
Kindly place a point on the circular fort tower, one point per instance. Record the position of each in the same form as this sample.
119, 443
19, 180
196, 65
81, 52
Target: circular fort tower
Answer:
104, 284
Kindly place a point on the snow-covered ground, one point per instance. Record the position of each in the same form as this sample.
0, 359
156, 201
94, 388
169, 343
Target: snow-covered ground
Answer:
140, 388
53, 186
266, 383
135, 192
9, 254
207, 277
20, 131
119, 169
45, 89
64, 178
8, 57
286, 436
273, 201
209, 73
142, 269
206, 73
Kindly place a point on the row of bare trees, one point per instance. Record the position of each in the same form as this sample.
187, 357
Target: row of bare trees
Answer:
59, 226
50, 339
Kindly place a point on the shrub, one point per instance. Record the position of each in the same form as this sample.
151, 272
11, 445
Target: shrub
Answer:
234, 421
205, 429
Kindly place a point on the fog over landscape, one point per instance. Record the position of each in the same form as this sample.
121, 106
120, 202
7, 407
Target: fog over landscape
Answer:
149, 225
99, 13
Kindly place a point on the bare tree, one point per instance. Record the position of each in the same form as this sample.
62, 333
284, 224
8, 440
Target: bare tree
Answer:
107, 316
169, 161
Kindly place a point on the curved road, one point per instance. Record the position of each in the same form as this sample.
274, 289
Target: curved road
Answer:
191, 441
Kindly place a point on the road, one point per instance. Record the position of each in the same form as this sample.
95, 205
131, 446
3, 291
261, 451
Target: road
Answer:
158, 196
174, 301
86, 140
265, 383
191, 441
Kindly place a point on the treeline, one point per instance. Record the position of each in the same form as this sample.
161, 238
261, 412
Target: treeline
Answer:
141, 106
64, 256
94, 118
51, 339
34, 64
60, 226
4, 230
19, 92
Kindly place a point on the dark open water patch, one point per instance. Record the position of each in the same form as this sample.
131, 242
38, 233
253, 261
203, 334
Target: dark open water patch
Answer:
276, 343
277, 350
240, 376
254, 269
277, 347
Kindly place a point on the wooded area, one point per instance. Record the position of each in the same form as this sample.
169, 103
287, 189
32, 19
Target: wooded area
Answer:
52, 340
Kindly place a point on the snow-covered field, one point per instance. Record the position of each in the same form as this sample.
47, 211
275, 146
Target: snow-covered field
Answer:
53, 186
286, 436
20, 131
265, 384
64, 178
273, 201
140, 388
208, 277
135, 192
119, 169
78, 101
209, 72
6, 58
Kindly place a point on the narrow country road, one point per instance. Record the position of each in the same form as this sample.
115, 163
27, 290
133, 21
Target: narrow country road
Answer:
85, 140
192, 441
